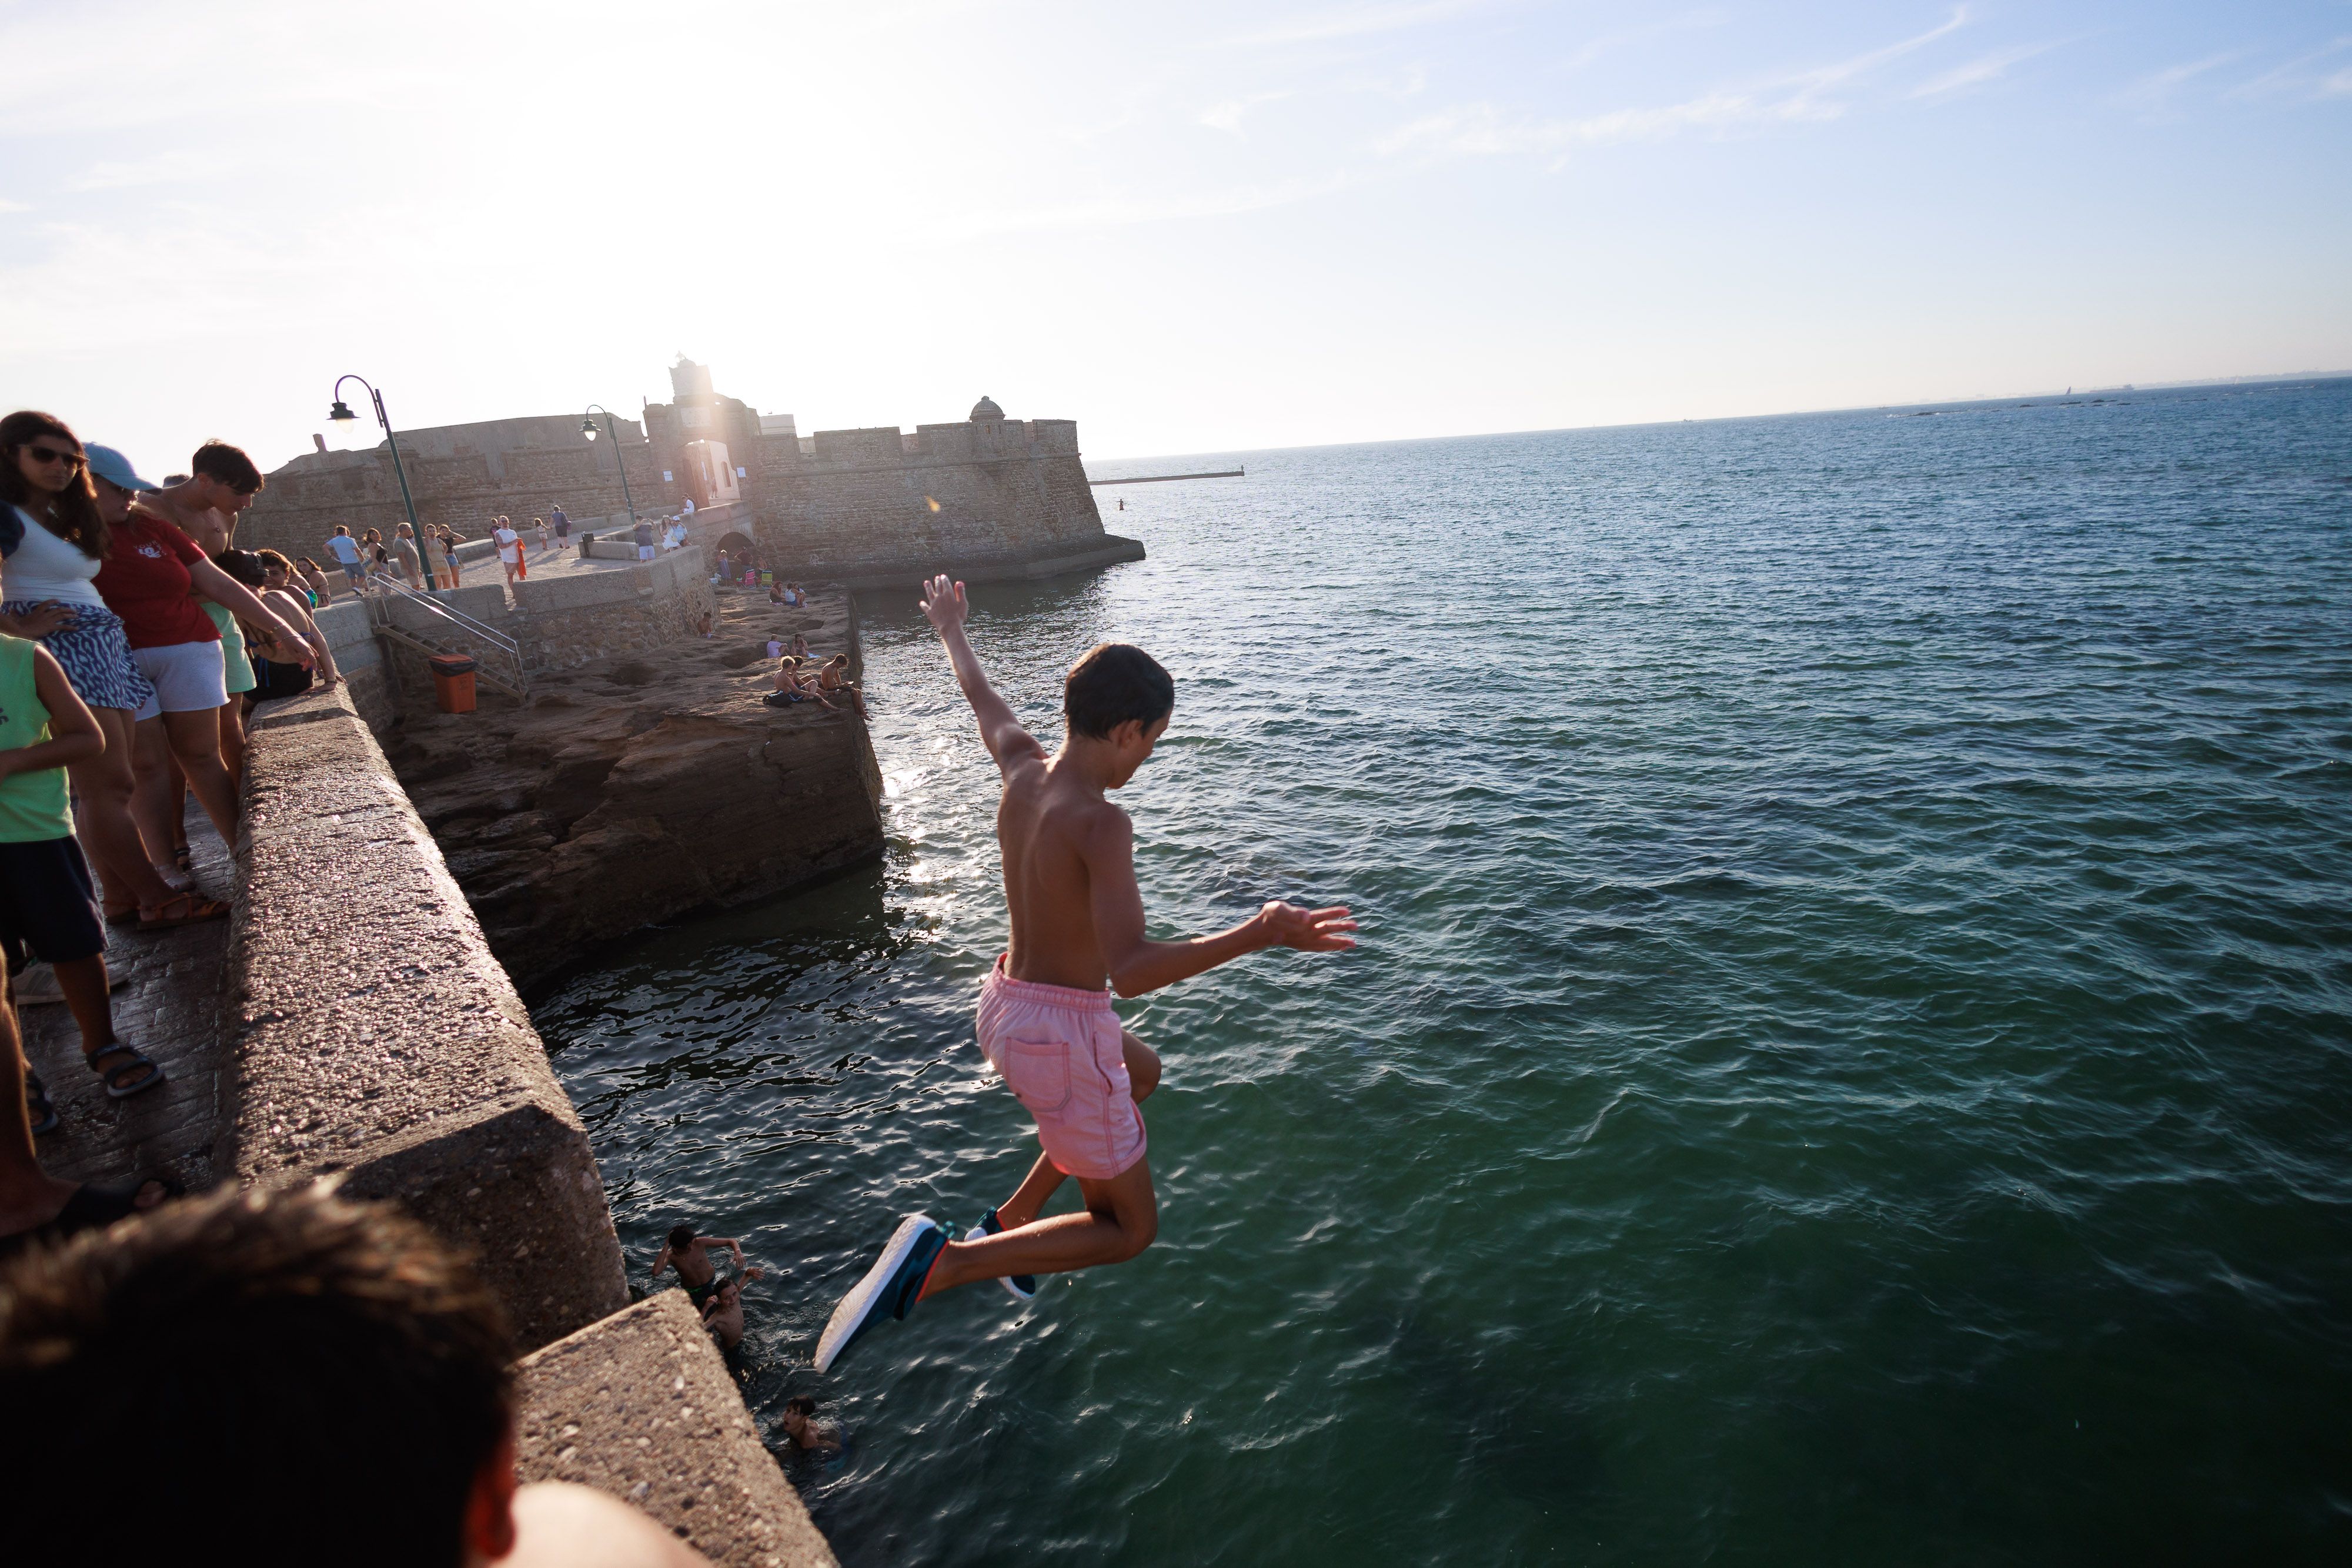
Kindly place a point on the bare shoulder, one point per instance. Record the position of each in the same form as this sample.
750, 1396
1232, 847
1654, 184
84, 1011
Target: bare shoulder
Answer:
1102, 827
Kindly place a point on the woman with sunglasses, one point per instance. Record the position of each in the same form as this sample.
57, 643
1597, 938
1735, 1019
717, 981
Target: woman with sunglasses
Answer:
48, 590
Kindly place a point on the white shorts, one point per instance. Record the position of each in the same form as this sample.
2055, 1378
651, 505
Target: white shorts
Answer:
188, 677
645, 552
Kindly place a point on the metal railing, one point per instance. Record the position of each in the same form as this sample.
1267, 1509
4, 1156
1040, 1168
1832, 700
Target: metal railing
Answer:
462, 628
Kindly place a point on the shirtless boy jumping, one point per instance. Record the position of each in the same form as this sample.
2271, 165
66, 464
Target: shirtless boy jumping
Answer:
1046, 1020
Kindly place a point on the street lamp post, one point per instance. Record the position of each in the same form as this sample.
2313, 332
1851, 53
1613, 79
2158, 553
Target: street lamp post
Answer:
341, 414
588, 429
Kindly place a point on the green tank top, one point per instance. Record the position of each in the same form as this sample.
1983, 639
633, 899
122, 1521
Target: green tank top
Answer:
32, 805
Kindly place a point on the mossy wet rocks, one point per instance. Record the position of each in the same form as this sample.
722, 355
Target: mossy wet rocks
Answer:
634, 790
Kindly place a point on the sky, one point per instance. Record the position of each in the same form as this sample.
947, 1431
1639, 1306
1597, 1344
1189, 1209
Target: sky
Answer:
1190, 228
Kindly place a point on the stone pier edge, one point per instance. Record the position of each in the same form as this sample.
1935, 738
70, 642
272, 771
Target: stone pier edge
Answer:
406, 1068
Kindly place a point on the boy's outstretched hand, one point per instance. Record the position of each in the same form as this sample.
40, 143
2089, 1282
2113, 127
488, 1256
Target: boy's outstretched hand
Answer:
943, 602
1309, 930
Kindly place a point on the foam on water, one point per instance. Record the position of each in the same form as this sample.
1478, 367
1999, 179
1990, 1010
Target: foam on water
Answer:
1849, 1059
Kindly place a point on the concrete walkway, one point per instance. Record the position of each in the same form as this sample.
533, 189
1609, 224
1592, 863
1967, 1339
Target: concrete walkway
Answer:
171, 1008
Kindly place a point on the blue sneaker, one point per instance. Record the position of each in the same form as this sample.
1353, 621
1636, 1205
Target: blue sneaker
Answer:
890, 1286
1020, 1287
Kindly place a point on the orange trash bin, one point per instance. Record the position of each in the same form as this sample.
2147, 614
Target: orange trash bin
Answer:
452, 681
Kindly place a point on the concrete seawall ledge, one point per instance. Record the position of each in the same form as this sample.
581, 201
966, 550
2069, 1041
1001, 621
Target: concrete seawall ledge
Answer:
373, 1036
641, 1407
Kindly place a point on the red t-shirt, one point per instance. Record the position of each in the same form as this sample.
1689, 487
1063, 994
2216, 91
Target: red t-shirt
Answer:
145, 581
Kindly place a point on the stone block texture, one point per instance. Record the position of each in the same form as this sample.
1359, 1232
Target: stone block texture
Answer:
641, 1407
373, 1036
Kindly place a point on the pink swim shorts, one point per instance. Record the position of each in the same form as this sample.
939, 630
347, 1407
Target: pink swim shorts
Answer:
1058, 1051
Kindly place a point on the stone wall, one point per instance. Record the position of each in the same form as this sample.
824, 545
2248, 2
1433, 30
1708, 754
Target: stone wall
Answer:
563, 622
374, 1038
460, 475
979, 496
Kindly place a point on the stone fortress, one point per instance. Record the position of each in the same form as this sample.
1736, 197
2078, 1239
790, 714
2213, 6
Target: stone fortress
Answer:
985, 497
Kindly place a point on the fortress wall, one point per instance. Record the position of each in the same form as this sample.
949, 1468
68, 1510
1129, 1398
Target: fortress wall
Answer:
564, 622
303, 501
822, 519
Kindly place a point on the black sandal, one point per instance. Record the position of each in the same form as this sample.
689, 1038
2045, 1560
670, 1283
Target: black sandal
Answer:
139, 1058
38, 1103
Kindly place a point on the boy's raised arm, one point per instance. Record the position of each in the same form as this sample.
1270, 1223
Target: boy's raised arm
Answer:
1000, 731
1137, 964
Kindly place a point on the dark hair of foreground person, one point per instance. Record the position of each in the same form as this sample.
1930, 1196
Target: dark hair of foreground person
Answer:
256, 1378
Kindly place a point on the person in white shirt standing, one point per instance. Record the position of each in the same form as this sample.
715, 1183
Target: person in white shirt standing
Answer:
510, 548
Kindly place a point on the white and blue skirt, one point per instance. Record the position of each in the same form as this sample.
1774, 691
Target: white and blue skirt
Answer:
95, 654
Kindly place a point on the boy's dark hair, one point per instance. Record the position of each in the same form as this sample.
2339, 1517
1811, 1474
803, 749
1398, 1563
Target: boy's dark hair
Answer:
229, 464
680, 1236
1116, 682
802, 1405
250, 1376
243, 565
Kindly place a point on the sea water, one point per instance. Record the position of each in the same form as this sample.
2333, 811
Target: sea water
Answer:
1848, 1061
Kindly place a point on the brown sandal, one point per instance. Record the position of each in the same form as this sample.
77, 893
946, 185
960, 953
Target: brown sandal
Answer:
194, 909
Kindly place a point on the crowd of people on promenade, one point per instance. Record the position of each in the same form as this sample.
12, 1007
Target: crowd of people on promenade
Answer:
134, 638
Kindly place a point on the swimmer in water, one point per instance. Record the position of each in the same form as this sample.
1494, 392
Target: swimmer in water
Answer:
722, 1313
691, 1254
1046, 1020
801, 1427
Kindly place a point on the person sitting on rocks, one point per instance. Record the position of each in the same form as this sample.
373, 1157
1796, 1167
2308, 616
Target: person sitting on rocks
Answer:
792, 686
313, 1380
723, 1311
691, 1255
832, 678
803, 1428
799, 649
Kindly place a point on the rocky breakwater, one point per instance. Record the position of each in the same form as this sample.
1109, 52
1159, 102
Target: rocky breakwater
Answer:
634, 788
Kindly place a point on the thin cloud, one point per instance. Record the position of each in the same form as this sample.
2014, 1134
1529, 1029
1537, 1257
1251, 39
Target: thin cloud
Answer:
2291, 76
175, 167
1480, 129
1227, 116
1112, 212
1353, 21
2155, 89
1978, 71
8, 207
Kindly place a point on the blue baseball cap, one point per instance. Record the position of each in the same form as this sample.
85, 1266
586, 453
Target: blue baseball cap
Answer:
115, 468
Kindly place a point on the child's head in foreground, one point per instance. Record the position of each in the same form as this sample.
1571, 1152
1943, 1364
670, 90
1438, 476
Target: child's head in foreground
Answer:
289, 1378
1118, 692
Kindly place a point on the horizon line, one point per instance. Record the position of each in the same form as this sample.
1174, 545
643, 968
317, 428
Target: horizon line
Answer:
2280, 377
